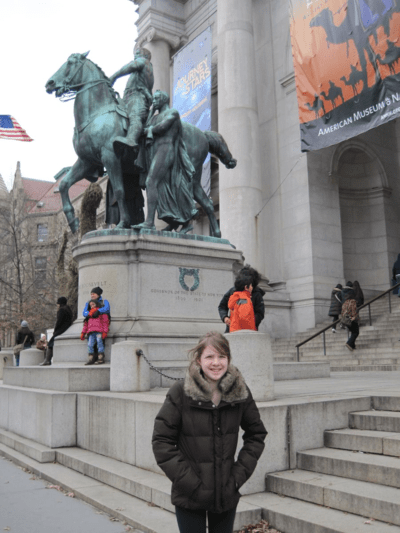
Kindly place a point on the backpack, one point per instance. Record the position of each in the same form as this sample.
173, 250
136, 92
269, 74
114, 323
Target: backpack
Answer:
242, 316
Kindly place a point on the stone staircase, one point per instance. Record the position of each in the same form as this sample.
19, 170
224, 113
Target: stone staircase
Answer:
135, 496
351, 485
378, 346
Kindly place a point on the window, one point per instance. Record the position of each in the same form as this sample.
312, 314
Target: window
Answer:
40, 272
42, 232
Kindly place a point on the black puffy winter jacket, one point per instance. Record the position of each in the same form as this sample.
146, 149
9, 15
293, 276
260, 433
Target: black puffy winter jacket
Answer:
194, 441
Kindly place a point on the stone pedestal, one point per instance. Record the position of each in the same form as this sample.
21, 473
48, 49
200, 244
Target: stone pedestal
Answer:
6, 359
164, 290
129, 371
252, 355
31, 357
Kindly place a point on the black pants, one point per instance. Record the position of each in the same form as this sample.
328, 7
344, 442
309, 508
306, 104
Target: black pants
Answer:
354, 332
335, 317
195, 521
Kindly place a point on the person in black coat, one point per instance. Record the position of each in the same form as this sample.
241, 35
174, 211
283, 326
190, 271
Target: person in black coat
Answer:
24, 334
336, 304
63, 322
257, 296
359, 295
196, 434
396, 272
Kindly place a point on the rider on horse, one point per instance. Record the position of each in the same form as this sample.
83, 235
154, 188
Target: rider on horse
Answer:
137, 98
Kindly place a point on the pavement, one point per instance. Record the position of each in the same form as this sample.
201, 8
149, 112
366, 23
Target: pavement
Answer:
27, 505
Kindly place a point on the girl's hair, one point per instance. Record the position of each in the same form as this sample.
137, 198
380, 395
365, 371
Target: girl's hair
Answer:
214, 339
95, 302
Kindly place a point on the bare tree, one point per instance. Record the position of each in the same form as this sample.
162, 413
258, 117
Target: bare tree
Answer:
28, 285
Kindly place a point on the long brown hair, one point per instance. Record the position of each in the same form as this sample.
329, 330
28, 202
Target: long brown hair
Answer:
214, 339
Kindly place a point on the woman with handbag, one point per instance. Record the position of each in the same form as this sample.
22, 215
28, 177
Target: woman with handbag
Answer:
350, 317
24, 337
196, 434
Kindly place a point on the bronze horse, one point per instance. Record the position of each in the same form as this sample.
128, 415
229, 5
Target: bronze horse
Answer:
99, 118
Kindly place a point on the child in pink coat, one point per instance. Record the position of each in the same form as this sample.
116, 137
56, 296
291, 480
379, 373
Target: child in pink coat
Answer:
95, 326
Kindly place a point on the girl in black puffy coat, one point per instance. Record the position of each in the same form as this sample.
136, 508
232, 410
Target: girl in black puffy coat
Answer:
196, 434
336, 304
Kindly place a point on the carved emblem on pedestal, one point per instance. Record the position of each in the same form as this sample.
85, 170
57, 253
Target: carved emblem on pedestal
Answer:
189, 272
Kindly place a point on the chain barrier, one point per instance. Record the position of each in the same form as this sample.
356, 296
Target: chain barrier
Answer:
152, 367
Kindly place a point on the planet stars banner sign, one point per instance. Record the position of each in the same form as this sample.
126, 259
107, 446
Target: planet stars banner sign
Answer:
192, 90
346, 56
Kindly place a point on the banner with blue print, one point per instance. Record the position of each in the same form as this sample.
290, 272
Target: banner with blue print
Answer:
192, 90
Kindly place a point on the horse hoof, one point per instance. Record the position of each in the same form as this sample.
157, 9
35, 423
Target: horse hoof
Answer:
186, 230
74, 225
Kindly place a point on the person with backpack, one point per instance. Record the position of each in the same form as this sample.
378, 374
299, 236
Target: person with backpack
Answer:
350, 315
257, 298
241, 306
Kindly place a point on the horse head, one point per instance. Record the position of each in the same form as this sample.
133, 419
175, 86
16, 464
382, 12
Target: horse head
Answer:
69, 76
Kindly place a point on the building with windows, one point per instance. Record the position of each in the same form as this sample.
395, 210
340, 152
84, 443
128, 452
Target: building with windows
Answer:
32, 224
307, 221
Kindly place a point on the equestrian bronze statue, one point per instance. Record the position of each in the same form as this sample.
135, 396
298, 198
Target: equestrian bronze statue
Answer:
101, 124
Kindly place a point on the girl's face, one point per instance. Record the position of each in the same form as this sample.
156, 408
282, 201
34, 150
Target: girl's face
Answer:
213, 364
92, 305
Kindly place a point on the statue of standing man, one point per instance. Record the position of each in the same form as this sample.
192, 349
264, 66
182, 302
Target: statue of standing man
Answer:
169, 185
137, 99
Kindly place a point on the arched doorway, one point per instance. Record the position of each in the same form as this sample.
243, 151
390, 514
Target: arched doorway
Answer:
363, 194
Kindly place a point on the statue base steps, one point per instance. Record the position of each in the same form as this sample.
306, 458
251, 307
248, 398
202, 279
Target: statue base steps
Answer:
59, 378
109, 484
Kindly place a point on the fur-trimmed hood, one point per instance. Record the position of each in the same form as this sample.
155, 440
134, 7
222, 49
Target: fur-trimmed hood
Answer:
232, 385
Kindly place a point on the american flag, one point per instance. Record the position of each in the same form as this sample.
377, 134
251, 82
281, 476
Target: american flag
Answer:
10, 129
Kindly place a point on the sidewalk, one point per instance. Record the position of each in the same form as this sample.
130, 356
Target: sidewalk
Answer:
27, 506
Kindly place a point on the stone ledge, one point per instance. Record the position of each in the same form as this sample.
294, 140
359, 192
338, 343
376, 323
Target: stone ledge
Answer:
289, 371
58, 378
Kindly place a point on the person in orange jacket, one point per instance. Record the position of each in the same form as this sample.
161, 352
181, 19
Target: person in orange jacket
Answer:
96, 327
241, 306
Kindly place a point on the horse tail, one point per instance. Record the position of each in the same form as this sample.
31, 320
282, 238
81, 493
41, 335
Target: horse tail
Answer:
218, 147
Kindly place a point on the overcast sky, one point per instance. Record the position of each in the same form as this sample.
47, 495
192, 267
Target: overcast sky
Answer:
37, 38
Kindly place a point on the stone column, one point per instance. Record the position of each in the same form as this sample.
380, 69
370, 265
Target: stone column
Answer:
159, 44
239, 189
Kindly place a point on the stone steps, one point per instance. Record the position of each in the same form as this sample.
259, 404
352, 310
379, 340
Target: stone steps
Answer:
379, 341
357, 472
379, 442
376, 420
369, 499
122, 490
378, 469
134, 511
290, 515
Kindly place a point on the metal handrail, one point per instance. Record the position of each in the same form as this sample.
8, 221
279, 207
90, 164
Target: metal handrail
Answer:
322, 331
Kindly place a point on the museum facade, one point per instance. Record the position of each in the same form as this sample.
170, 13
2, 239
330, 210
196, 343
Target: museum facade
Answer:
307, 221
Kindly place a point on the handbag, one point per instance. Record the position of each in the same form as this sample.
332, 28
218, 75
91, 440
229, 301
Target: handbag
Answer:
18, 347
345, 319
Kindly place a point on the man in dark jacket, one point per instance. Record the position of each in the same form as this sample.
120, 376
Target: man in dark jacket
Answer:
257, 296
63, 322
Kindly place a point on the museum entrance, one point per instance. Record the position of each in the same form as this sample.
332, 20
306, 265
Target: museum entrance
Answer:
363, 194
